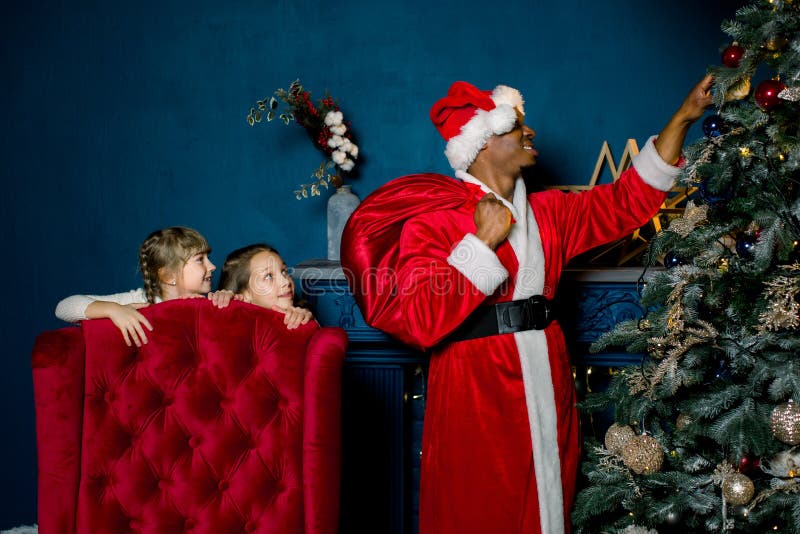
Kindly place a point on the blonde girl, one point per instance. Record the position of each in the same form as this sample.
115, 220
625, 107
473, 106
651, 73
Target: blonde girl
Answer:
174, 264
259, 275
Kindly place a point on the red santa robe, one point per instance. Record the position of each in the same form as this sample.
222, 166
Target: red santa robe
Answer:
501, 439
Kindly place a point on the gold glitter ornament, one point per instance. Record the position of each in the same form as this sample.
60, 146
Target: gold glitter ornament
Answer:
737, 489
617, 436
775, 42
643, 455
656, 348
738, 91
785, 423
683, 421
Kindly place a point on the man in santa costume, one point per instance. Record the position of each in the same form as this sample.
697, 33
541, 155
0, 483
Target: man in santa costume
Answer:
467, 268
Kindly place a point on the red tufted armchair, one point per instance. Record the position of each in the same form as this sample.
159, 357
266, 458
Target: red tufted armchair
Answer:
224, 422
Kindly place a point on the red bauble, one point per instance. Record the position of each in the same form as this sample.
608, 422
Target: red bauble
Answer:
732, 56
749, 463
767, 92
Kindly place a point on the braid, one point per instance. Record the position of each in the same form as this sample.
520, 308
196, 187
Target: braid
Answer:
152, 287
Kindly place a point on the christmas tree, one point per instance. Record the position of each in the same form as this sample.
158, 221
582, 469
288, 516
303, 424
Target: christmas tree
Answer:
705, 427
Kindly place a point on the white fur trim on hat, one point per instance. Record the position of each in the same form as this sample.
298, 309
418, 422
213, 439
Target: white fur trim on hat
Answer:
462, 149
504, 94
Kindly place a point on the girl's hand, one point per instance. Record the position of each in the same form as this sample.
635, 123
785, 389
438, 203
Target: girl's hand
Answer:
130, 322
223, 297
294, 316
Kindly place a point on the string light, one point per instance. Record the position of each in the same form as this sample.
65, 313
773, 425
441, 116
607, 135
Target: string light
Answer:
744, 151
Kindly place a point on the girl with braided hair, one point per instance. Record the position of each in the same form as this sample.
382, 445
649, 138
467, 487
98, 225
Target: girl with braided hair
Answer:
174, 264
258, 275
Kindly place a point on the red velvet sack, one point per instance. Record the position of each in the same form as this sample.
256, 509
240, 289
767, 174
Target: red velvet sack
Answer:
371, 239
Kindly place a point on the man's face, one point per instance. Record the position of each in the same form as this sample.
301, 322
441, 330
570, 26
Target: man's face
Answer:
513, 151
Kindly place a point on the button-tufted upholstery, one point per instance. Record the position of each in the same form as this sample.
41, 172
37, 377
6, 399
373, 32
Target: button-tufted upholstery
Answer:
224, 422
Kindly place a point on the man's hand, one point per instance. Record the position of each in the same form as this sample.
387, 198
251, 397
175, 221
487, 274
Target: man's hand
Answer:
493, 221
696, 102
670, 141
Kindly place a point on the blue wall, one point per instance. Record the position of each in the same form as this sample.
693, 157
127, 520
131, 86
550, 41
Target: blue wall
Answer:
121, 120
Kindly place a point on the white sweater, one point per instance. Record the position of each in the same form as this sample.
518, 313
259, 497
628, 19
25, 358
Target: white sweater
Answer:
73, 309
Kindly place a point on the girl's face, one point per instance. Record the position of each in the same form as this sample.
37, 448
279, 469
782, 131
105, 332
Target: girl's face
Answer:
270, 283
195, 277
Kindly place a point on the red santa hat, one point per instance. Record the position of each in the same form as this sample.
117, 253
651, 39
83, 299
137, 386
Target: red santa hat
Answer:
467, 117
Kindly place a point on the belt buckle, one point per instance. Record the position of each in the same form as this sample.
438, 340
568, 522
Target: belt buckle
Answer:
540, 313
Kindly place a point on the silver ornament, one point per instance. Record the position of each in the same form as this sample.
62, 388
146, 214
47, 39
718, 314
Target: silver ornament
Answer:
792, 94
741, 512
673, 517
636, 529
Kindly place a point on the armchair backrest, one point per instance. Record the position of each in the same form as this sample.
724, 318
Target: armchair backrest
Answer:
224, 422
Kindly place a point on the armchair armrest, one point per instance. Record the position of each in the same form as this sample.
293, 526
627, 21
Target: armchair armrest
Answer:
322, 431
58, 375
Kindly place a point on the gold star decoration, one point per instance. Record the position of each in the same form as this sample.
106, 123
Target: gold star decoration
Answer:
631, 246
692, 217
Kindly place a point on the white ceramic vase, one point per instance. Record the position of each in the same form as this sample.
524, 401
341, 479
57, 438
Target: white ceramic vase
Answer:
340, 206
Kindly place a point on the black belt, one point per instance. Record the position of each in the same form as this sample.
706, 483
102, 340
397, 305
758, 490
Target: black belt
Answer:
533, 313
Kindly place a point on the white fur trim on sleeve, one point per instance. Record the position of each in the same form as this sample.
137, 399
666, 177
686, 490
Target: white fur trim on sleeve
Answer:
655, 171
476, 261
